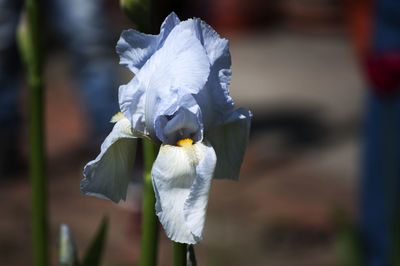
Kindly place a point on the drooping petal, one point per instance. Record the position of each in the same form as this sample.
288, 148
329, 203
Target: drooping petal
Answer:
181, 179
108, 175
230, 141
196, 205
135, 48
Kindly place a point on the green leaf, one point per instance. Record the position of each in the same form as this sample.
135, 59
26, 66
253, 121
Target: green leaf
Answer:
348, 240
138, 11
95, 250
395, 252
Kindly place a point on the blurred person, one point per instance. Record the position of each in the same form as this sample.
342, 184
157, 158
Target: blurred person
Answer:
83, 29
376, 28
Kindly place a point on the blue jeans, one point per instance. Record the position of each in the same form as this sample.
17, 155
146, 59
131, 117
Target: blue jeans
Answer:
83, 29
381, 177
381, 155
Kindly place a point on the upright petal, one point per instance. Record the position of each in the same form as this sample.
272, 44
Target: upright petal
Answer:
230, 142
181, 179
214, 100
131, 101
180, 68
108, 175
135, 48
220, 74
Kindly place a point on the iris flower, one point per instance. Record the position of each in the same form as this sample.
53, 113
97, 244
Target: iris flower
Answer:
178, 98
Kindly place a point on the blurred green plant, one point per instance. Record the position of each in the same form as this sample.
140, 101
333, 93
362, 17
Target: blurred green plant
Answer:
179, 254
29, 38
138, 11
395, 252
67, 254
348, 240
350, 246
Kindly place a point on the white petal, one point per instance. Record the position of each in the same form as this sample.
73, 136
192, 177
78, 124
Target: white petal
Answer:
135, 48
196, 205
131, 101
183, 124
108, 175
177, 70
181, 179
230, 142
220, 58
214, 99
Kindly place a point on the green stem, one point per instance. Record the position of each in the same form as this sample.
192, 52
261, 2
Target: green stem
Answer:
148, 254
32, 50
179, 252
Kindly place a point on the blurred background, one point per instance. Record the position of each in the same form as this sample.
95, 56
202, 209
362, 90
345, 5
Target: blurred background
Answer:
297, 64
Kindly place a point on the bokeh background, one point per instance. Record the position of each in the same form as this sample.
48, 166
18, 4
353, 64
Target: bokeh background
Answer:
295, 65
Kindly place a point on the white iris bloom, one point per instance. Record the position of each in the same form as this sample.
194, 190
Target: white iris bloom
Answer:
178, 97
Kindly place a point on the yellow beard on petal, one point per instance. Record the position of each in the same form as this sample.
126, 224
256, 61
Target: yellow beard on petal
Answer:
190, 150
184, 142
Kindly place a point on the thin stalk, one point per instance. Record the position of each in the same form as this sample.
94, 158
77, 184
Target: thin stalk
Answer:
179, 252
34, 62
148, 254
38, 178
140, 13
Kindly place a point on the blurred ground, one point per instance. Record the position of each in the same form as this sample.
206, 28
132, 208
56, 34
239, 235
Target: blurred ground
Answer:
302, 161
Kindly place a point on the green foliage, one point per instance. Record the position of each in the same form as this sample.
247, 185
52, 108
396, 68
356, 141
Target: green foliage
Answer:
30, 44
67, 252
95, 251
179, 252
395, 252
348, 240
138, 11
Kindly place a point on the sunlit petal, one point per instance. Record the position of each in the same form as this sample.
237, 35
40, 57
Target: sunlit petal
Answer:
177, 70
135, 48
131, 101
214, 98
196, 204
181, 178
108, 175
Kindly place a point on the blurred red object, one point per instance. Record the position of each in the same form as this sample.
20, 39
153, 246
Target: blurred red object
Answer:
383, 72
382, 69
359, 17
